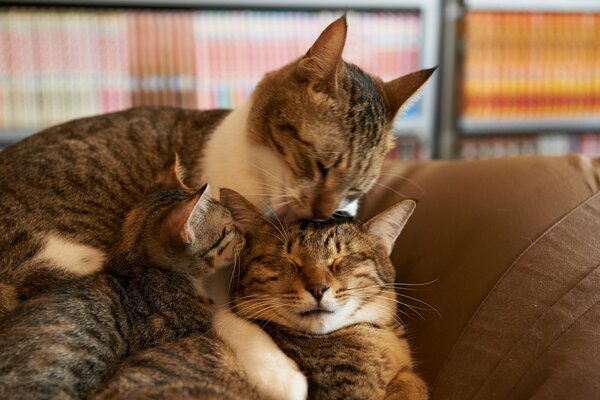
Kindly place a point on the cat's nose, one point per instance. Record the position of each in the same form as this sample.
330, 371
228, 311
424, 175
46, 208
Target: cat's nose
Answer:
317, 290
325, 205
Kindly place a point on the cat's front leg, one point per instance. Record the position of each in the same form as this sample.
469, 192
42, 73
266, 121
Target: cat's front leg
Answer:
267, 368
406, 385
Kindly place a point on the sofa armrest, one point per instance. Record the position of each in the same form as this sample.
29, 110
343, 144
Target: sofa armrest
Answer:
473, 220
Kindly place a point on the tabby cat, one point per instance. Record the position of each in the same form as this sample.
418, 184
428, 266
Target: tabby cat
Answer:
324, 291
66, 343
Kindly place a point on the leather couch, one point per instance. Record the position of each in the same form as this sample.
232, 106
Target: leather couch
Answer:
507, 252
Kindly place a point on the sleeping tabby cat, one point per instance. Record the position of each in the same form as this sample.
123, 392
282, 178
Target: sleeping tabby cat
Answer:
66, 343
324, 291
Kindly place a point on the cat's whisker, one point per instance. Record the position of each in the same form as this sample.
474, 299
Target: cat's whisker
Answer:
282, 230
264, 171
430, 307
255, 310
397, 285
414, 308
401, 176
402, 195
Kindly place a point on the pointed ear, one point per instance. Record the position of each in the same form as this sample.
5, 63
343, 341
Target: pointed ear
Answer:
178, 226
171, 177
387, 225
400, 90
321, 61
246, 217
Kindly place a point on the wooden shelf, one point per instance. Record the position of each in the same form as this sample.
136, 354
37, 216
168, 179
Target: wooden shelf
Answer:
526, 125
534, 5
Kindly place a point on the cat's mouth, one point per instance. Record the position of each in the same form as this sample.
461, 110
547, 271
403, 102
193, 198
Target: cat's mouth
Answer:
317, 312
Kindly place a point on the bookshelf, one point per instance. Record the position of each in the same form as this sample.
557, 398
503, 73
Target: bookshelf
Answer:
79, 58
522, 77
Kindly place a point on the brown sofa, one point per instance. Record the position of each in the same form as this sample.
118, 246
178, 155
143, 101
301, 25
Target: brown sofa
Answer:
511, 248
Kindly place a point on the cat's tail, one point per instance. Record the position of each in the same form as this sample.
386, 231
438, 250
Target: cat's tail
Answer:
8, 298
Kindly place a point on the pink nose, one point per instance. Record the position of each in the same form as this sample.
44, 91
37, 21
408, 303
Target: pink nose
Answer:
317, 290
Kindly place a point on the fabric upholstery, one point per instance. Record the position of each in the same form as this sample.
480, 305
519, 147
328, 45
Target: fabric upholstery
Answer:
473, 221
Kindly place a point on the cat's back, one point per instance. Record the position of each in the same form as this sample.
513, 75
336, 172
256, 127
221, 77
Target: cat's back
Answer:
72, 184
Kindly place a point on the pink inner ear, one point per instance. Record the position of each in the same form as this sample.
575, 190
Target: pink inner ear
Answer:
177, 225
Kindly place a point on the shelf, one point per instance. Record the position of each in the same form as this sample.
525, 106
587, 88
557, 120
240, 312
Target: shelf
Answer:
273, 4
488, 127
10, 136
534, 5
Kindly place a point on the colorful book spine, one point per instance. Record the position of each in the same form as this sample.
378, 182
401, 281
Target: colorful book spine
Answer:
59, 63
531, 66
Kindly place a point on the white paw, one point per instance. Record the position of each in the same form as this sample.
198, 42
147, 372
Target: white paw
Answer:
280, 379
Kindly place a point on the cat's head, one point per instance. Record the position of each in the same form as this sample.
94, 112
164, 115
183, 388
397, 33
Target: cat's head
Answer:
328, 126
319, 276
179, 228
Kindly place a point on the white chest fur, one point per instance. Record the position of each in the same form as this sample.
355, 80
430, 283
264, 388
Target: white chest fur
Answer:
232, 161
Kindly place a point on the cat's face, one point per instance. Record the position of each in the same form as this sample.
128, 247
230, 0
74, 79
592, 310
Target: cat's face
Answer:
328, 124
320, 276
181, 229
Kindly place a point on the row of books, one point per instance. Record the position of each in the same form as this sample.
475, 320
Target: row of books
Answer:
531, 66
60, 63
553, 144
409, 148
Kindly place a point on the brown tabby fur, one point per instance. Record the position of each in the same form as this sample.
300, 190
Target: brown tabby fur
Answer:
326, 120
66, 343
324, 291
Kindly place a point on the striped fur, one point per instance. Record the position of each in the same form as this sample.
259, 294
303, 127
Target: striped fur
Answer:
67, 343
324, 292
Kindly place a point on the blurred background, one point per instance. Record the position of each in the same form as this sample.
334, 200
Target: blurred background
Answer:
515, 77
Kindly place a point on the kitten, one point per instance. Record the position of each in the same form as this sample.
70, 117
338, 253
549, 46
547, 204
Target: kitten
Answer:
324, 291
67, 342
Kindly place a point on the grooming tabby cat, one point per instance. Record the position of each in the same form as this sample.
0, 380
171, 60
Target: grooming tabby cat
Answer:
311, 138
324, 291
66, 343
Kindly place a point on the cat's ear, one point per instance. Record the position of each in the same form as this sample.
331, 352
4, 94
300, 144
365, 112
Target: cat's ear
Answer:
246, 217
171, 177
179, 224
399, 91
387, 225
321, 61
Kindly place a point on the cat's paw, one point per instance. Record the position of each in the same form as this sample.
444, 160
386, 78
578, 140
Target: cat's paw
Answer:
279, 378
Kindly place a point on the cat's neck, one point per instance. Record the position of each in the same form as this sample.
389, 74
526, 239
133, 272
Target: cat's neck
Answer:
232, 161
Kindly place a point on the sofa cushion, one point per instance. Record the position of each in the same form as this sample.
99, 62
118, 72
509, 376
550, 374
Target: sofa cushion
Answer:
473, 221
537, 334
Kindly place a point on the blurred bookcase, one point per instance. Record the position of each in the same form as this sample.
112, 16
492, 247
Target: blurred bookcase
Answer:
79, 58
523, 78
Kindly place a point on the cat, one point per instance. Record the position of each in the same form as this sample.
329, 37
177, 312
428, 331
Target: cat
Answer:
311, 138
66, 343
324, 291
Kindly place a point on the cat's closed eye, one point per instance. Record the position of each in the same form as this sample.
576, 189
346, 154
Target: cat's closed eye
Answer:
322, 169
296, 265
335, 263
